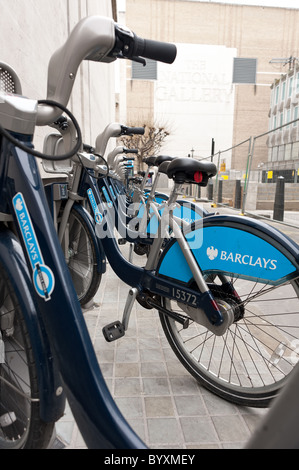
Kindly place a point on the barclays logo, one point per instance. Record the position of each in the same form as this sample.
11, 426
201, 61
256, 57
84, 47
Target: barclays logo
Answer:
239, 258
212, 253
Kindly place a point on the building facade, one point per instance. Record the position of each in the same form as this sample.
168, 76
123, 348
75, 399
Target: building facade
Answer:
203, 103
283, 140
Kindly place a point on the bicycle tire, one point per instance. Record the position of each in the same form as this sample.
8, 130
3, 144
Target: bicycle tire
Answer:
251, 362
81, 258
20, 423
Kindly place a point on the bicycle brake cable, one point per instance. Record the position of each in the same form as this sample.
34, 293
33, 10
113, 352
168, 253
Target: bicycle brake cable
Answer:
35, 153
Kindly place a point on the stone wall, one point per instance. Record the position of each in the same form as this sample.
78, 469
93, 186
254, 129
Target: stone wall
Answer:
31, 31
261, 196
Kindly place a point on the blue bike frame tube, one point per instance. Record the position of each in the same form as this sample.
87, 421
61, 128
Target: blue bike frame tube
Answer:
99, 420
127, 272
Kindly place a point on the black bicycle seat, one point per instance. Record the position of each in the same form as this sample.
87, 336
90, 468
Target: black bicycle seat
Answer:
163, 158
150, 161
188, 170
163, 167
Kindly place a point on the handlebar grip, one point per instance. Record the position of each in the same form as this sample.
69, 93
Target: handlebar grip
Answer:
155, 50
132, 130
130, 150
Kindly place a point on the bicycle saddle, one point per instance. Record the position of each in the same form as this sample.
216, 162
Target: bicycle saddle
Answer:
163, 167
163, 158
187, 170
150, 161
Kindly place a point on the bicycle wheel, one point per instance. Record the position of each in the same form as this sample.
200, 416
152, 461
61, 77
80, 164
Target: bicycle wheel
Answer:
20, 424
81, 258
249, 364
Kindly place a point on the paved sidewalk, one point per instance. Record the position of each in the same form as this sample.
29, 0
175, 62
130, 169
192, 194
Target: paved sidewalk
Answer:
162, 402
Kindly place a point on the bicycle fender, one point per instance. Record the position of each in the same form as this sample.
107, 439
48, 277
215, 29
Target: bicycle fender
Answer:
100, 253
52, 401
233, 245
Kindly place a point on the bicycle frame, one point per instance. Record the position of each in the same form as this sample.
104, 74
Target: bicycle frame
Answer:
145, 279
148, 211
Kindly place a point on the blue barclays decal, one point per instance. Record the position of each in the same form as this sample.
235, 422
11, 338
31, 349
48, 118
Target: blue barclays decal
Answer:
108, 200
231, 251
112, 192
236, 251
141, 211
97, 214
43, 278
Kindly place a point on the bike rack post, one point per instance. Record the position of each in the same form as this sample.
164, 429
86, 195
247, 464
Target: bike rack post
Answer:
210, 190
220, 187
216, 182
238, 195
279, 199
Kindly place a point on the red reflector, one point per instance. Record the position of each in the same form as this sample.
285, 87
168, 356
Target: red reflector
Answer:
198, 176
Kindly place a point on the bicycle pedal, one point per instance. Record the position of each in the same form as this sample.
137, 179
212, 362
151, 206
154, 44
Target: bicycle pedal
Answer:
113, 331
122, 241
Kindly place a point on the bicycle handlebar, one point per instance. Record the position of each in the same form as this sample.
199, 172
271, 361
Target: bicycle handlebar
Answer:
155, 50
114, 130
130, 151
98, 39
132, 130
130, 46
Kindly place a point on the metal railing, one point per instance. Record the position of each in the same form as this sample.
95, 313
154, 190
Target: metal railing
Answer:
255, 152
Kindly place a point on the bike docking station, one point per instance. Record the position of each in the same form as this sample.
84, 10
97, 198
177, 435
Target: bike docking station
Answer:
225, 288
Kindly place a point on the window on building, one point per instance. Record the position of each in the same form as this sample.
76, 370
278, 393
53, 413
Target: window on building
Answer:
295, 151
281, 152
288, 152
274, 122
274, 154
288, 117
291, 86
281, 119
244, 70
283, 91
147, 72
295, 116
297, 82
276, 94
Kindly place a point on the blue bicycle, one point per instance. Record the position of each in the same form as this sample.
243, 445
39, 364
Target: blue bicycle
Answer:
220, 284
226, 288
